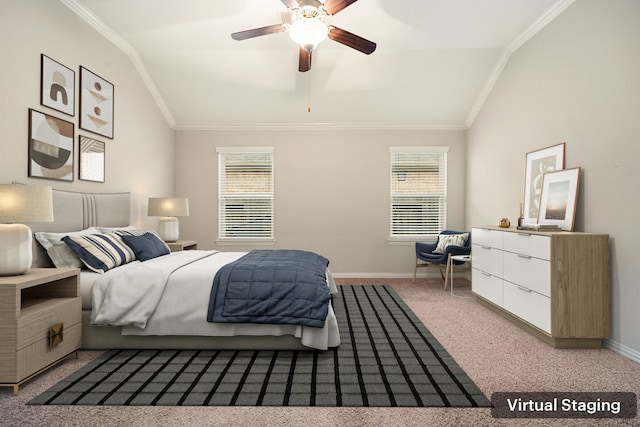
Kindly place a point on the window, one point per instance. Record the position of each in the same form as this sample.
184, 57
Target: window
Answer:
245, 193
418, 192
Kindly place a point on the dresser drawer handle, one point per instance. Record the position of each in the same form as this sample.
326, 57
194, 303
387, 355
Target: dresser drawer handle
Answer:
486, 274
524, 289
524, 234
486, 247
524, 256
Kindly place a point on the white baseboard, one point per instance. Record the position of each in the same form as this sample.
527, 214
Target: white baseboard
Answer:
622, 349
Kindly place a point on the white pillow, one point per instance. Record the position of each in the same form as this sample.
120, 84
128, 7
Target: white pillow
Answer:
61, 254
445, 240
115, 229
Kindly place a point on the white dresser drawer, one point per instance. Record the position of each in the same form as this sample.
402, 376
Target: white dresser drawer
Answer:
532, 273
527, 244
528, 305
486, 237
487, 286
487, 259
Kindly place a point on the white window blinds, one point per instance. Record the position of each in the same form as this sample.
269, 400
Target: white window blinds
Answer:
245, 193
418, 191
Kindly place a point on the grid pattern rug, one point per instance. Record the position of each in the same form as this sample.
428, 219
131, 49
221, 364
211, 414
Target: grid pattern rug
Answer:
387, 358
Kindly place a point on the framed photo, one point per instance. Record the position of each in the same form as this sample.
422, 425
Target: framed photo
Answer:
91, 159
57, 86
96, 104
559, 198
50, 147
538, 163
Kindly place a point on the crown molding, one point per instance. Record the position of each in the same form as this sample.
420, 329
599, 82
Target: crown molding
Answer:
551, 14
317, 127
106, 31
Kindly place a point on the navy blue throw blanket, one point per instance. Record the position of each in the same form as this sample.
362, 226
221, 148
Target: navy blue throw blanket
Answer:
272, 286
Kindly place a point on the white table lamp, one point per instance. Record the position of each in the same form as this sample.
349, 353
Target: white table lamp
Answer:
168, 208
21, 203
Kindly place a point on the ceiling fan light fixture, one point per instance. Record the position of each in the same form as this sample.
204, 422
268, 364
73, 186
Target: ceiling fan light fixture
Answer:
308, 32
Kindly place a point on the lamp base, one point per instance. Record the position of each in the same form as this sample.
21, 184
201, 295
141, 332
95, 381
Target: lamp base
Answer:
168, 228
15, 249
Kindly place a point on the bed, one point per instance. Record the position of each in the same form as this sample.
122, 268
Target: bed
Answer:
179, 320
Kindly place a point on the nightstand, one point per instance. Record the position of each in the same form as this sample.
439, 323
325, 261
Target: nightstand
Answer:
182, 245
40, 322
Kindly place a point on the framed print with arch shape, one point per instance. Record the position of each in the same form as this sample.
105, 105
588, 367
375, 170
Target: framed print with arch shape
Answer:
57, 86
96, 104
538, 163
559, 198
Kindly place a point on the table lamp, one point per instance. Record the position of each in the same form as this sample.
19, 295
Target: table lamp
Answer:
168, 208
18, 204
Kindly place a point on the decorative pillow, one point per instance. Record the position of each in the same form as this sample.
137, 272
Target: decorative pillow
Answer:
116, 229
445, 240
61, 254
100, 252
146, 246
136, 232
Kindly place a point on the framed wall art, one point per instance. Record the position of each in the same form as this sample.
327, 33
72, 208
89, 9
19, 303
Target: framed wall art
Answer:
538, 163
57, 86
559, 198
51, 143
96, 104
91, 159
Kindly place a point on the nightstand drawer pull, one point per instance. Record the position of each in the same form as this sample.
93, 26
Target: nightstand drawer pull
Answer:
56, 334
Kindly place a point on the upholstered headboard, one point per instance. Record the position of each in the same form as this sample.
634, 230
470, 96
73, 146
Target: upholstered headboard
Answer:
77, 211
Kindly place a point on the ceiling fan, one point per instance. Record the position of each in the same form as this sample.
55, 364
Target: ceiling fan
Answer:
306, 27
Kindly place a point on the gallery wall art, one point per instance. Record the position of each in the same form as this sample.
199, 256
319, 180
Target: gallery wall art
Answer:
51, 143
57, 86
92, 159
96, 104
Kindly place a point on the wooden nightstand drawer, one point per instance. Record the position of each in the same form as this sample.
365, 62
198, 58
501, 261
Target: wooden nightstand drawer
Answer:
35, 322
40, 354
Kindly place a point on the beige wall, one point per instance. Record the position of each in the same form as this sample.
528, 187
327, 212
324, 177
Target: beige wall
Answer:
331, 191
139, 158
575, 82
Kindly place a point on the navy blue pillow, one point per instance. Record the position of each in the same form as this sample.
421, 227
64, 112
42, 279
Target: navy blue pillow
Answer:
146, 246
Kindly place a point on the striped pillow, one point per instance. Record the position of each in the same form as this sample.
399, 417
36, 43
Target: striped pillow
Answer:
100, 252
445, 240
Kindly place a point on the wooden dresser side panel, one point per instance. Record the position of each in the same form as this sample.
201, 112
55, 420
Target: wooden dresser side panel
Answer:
580, 286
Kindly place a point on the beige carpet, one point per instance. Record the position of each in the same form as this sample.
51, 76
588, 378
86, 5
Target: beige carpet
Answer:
497, 355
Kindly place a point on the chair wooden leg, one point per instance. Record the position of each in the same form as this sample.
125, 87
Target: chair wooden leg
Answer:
415, 270
448, 271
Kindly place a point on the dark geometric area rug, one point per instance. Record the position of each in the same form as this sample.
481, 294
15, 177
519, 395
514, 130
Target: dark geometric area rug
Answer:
387, 358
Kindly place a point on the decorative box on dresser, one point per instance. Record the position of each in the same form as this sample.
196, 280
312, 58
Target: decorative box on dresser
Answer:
553, 284
40, 322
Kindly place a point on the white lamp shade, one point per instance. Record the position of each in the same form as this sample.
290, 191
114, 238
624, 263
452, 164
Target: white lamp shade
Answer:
308, 32
168, 206
21, 203
25, 203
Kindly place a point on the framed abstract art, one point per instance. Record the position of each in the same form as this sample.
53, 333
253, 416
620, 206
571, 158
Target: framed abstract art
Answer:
57, 86
91, 159
51, 143
96, 104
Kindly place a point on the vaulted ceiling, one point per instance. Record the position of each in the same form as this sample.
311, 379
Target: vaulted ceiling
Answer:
435, 62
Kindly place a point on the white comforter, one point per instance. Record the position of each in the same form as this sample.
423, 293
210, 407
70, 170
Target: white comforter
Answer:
169, 295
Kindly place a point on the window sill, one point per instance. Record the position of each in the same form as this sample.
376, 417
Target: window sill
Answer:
245, 242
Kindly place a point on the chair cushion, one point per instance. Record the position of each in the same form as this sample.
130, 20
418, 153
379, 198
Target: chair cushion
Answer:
445, 240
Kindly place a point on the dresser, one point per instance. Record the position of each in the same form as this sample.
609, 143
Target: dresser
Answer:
40, 322
553, 284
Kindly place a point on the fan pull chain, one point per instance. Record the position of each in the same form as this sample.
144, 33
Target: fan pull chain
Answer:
309, 94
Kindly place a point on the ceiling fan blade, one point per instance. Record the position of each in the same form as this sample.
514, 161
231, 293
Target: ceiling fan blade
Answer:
262, 31
349, 39
291, 4
334, 6
304, 63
